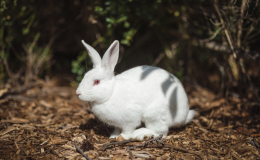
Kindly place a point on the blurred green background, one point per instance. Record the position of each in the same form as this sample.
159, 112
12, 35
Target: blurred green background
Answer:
214, 43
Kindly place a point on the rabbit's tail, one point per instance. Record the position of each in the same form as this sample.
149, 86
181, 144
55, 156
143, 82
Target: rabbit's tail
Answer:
190, 116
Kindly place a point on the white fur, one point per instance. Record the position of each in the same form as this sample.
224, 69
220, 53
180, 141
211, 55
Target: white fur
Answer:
142, 94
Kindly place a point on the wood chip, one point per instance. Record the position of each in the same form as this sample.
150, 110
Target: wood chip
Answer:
15, 120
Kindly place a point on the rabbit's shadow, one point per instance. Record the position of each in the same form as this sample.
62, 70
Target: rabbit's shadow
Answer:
173, 131
98, 127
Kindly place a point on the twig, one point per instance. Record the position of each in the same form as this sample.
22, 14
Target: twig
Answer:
215, 24
80, 151
121, 142
225, 29
256, 4
212, 45
19, 98
158, 59
61, 127
157, 139
12, 76
240, 23
229, 132
46, 141
202, 156
212, 37
256, 143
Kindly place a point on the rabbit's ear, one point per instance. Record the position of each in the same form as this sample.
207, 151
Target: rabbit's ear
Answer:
93, 54
111, 56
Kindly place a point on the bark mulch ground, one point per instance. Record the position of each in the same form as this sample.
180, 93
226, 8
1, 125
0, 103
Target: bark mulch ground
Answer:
44, 122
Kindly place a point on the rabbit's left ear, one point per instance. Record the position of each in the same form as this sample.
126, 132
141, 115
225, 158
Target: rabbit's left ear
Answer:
110, 58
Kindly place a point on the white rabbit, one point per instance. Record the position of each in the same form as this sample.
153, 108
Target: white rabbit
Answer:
142, 94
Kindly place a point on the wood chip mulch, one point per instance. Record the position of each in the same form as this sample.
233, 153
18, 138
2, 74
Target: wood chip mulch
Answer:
44, 122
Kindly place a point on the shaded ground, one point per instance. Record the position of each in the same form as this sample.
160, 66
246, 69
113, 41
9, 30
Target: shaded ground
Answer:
44, 122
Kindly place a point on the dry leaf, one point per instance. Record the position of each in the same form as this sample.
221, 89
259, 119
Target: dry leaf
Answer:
243, 130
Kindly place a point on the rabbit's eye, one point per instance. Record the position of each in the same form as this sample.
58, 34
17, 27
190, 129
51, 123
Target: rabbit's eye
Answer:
96, 82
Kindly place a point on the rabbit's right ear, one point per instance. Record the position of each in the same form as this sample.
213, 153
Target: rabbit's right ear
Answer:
93, 54
110, 57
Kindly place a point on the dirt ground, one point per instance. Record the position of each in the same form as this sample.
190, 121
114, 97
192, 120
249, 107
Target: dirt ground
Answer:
44, 122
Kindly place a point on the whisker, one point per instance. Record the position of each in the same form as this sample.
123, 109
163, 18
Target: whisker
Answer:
81, 68
72, 81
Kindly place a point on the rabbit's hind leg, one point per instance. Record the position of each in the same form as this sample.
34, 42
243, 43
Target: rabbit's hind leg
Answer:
127, 131
155, 119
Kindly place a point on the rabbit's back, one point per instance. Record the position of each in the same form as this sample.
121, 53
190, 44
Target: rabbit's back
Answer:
154, 83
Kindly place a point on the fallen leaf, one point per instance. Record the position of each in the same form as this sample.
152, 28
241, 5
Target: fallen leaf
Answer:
243, 130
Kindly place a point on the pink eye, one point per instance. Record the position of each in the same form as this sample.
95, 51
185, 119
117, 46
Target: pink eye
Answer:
96, 82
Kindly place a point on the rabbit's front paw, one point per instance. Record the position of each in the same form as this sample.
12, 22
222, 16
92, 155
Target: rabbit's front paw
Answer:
126, 135
141, 133
113, 136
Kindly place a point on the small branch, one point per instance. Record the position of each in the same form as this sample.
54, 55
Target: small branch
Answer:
158, 59
12, 76
80, 151
215, 24
224, 48
212, 37
19, 98
202, 156
121, 142
157, 139
225, 29
256, 144
61, 127
21, 89
240, 23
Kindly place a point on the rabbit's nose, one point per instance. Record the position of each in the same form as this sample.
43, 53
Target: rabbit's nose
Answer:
78, 93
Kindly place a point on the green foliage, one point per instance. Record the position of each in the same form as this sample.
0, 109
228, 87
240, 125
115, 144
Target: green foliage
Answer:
16, 17
17, 21
125, 18
179, 75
